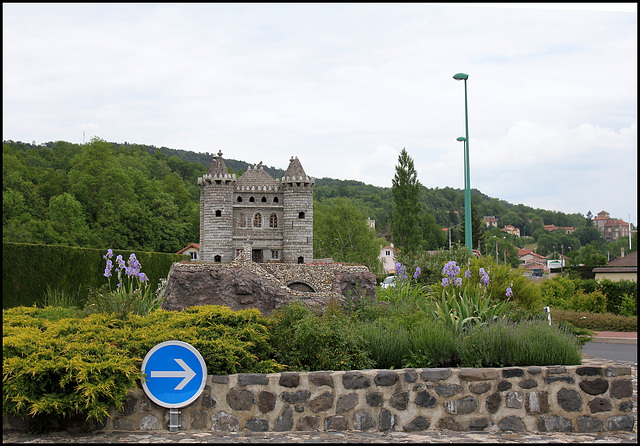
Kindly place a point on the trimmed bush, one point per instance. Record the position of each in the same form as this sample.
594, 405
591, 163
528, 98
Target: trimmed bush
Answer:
615, 292
67, 367
505, 344
29, 270
557, 292
593, 302
388, 343
327, 340
594, 321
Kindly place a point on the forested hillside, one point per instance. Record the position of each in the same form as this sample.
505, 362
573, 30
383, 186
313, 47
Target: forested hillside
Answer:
132, 196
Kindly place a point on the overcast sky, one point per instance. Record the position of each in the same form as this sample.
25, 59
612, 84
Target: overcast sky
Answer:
552, 89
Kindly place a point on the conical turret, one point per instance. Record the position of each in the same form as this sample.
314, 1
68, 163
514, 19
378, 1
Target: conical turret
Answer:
295, 172
217, 165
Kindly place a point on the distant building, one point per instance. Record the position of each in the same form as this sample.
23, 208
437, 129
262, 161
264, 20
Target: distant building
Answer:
565, 229
611, 229
620, 268
193, 250
490, 221
529, 260
510, 229
388, 257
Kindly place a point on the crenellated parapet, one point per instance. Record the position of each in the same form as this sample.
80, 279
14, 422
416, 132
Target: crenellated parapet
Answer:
216, 179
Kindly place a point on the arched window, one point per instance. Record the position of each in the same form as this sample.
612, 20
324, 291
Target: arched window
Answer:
251, 199
301, 215
264, 199
257, 220
273, 221
217, 259
242, 220
218, 213
275, 199
239, 199
301, 260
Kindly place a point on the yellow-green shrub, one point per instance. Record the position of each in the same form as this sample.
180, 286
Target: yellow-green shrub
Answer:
68, 366
594, 302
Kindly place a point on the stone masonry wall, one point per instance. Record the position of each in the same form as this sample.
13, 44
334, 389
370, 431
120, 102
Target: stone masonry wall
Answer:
534, 399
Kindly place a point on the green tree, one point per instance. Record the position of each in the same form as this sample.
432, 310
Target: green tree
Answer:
477, 229
433, 235
340, 231
67, 217
406, 211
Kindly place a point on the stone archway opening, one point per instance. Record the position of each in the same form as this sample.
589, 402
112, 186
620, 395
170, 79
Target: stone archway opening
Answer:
301, 286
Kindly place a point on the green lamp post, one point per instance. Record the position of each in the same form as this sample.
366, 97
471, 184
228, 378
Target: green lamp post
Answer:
467, 184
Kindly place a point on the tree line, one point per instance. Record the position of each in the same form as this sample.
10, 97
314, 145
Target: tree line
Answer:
140, 197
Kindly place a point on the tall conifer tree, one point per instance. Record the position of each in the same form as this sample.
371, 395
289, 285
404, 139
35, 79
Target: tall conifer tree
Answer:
406, 211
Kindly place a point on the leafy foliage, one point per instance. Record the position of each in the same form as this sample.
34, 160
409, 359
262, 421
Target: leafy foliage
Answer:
65, 366
323, 340
341, 232
405, 189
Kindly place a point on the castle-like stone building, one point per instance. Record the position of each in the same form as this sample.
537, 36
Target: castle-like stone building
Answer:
274, 216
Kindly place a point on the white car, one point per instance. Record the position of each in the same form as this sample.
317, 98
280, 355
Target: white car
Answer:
388, 281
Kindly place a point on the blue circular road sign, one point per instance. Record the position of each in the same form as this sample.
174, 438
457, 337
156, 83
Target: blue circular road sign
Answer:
175, 374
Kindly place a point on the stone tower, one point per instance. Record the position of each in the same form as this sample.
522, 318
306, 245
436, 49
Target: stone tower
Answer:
216, 213
298, 214
274, 217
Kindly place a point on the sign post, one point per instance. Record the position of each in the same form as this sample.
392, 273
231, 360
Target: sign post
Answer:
175, 376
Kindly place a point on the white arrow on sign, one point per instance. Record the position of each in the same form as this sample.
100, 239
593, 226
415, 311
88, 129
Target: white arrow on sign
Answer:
186, 373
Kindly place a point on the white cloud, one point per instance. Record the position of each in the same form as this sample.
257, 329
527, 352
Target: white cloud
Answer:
552, 90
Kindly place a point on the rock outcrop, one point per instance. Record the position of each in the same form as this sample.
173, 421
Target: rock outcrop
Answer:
243, 284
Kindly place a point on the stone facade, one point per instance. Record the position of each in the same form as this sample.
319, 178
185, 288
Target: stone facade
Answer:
244, 284
275, 215
533, 399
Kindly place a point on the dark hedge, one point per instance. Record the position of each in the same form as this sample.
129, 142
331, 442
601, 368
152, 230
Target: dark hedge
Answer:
28, 270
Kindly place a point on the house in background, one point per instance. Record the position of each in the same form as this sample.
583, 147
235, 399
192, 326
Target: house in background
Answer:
510, 229
620, 268
529, 260
565, 229
490, 221
192, 250
611, 229
388, 257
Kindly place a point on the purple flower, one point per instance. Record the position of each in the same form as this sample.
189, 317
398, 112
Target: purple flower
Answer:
143, 277
509, 292
445, 281
120, 262
459, 281
451, 270
109, 254
467, 274
417, 273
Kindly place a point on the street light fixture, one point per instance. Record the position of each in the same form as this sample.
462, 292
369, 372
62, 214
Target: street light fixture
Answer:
467, 185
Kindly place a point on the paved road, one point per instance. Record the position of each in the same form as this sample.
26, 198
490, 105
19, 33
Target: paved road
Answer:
614, 352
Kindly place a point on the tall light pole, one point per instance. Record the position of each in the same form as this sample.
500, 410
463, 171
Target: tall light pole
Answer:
467, 184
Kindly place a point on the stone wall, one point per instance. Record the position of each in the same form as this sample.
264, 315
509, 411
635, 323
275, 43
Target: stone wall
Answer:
534, 399
244, 284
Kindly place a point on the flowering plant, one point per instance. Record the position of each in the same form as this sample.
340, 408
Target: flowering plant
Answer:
462, 307
406, 293
132, 292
